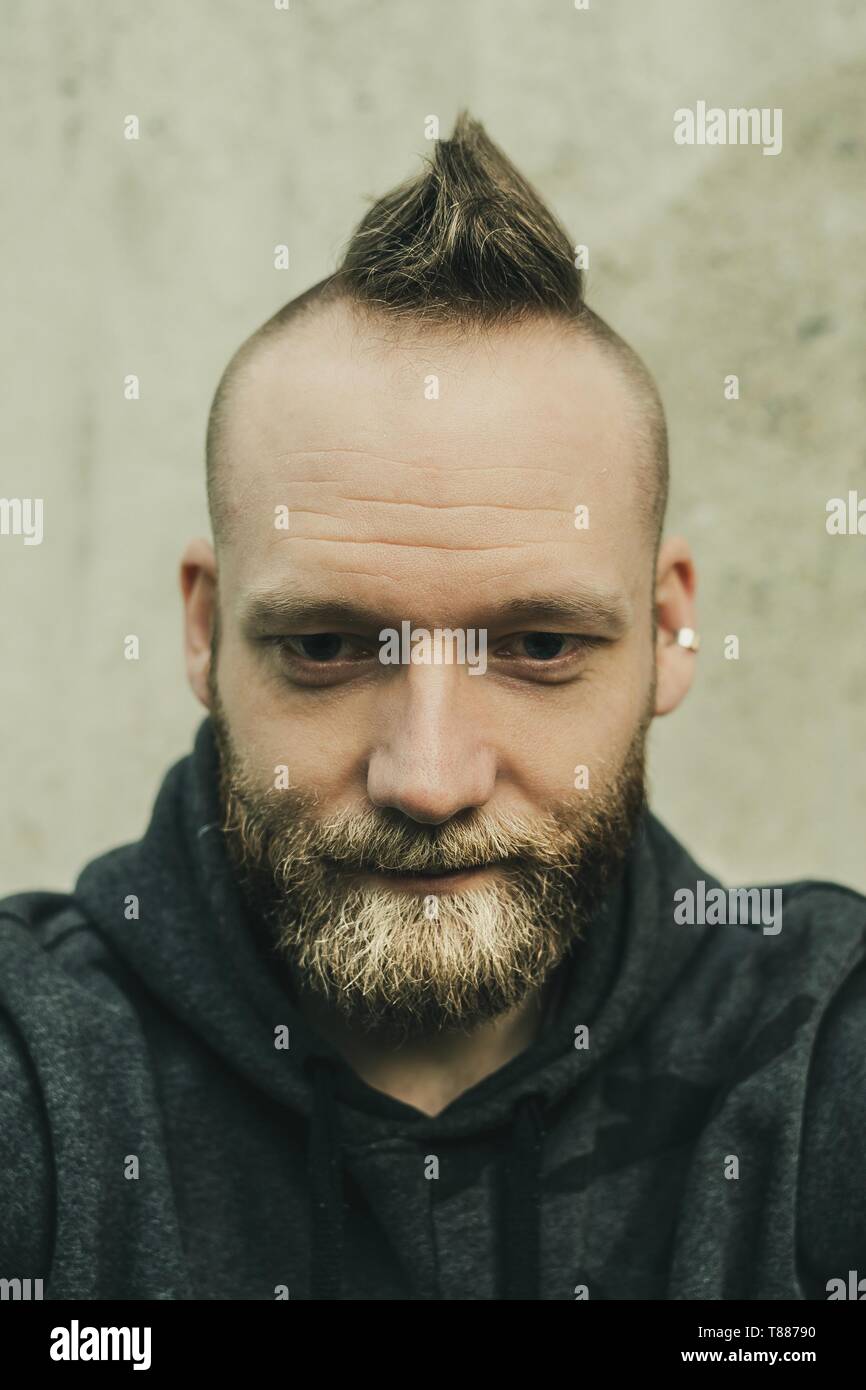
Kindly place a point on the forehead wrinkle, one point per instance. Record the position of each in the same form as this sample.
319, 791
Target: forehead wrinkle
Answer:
430, 506
407, 545
471, 518
529, 487
437, 467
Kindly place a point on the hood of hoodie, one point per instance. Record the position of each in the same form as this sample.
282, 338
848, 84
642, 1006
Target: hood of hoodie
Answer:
195, 948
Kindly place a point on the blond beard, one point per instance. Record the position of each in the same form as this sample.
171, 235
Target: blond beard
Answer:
381, 957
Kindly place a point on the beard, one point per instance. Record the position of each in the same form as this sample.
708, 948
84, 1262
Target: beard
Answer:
397, 963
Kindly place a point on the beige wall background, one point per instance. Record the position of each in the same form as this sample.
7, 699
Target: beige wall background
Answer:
260, 127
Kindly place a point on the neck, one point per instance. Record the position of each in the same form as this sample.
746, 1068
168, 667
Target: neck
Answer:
428, 1073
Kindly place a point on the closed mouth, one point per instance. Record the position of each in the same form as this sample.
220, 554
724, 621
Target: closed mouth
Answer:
439, 872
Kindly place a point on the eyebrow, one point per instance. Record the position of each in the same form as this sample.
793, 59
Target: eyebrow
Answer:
586, 606
602, 610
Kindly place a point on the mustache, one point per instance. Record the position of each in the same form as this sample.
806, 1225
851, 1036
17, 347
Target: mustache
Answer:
373, 841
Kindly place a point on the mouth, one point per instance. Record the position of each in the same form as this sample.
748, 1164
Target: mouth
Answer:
425, 882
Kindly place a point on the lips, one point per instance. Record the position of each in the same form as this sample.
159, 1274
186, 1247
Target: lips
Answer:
437, 872
433, 873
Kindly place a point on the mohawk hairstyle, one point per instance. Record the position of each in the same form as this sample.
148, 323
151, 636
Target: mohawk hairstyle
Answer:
467, 237
468, 243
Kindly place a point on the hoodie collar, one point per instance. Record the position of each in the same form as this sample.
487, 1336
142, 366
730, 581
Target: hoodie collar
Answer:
195, 948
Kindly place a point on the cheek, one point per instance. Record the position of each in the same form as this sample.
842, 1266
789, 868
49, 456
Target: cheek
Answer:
278, 732
556, 741
575, 737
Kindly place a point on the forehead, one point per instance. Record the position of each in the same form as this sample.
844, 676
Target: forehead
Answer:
429, 467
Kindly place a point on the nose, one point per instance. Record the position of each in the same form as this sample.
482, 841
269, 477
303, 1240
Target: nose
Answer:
431, 760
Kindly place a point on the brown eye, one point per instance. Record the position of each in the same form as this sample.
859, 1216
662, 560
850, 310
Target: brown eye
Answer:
321, 649
542, 646
318, 646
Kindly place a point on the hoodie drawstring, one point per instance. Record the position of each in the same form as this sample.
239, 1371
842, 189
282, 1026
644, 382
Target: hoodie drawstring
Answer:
522, 1194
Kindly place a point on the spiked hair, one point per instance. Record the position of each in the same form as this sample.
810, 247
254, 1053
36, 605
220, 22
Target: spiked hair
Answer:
469, 243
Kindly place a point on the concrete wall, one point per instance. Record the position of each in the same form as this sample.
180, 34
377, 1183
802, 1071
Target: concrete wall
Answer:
258, 127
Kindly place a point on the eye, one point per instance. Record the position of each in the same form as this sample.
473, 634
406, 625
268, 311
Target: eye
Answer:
318, 646
321, 648
542, 646
546, 647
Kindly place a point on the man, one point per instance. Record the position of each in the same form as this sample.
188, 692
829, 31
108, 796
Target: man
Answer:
405, 994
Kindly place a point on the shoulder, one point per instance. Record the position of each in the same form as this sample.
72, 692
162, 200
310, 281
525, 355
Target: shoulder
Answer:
26, 1171
62, 984
770, 940
832, 1195
63, 1015
776, 919
49, 946
26, 1168
762, 961
785, 989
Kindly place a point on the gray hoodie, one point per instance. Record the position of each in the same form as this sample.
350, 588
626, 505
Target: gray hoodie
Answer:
690, 1122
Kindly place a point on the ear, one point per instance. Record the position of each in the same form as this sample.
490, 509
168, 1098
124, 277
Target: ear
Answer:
675, 609
198, 585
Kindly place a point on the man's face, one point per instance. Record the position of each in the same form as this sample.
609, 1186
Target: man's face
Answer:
445, 832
